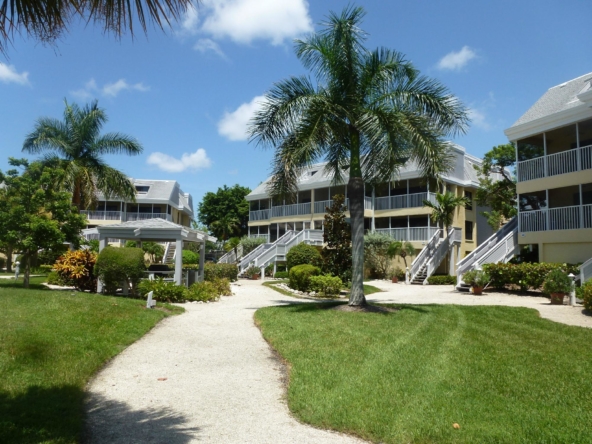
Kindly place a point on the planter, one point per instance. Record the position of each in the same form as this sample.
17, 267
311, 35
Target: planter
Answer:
557, 298
395, 280
255, 277
477, 291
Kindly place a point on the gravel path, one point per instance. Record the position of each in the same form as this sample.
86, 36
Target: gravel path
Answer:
223, 383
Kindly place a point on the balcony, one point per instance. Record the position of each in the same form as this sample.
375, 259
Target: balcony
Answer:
290, 210
409, 234
258, 215
577, 159
102, 215
564, 218
403, 201
143, 216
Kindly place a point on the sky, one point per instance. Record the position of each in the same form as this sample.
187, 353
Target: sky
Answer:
187, 94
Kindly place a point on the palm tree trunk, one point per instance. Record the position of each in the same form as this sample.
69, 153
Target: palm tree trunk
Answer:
9, 259
355, 191
27, 273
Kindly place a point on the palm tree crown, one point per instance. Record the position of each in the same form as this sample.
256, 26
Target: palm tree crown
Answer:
369, 113
444, 207
76, 145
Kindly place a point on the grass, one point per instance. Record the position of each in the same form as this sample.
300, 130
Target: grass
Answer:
503, 374
51, 343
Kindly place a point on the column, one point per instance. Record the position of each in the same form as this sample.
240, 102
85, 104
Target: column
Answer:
179, 261
102, 244
202, 256
373, 208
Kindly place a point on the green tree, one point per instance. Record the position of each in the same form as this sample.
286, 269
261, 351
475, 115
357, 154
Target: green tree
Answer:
154, 251
497, 185
226, 204
337, 251
401, 249
76, 146
368, 114
34, 215
47, 20
376, 247
444, 207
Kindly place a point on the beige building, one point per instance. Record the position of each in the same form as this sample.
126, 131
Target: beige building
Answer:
553, 141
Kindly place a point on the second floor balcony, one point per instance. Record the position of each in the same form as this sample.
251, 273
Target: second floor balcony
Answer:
300, 209
563, 218
576, 159
121, 216
403, 201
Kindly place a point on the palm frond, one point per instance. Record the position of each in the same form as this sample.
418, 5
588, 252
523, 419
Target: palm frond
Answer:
116, 143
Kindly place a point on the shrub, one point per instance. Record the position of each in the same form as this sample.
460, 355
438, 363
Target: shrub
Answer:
53, 278
219, 271
526, 275
557, 282
189, 257
250, 243
49, 257
120, 265
585, 293
76, 268
202, 291
300, 276
252, 271
337, 251
46, 268
442, 280
222, 287
398, 273
281, 275
326, 285
163, 291
303, 254
269, 270
376, 256
2, 262
476, 278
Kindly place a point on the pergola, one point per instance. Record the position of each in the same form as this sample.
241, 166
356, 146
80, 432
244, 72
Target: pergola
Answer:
155, 230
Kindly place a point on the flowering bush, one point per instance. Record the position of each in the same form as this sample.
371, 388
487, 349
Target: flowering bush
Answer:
326, 285
76, 268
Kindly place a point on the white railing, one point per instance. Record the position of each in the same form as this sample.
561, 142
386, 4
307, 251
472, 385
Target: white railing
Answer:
102, 215
564, 218
246, 260
410, 234
367, 203
568, 161
290, 210
586, 271
403, 201
424, 255
499, 247
321, 205
279, 249
441, 251
144, 216
259, 215
260, 236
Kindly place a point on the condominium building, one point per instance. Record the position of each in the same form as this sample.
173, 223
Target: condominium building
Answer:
553, 141
394, 208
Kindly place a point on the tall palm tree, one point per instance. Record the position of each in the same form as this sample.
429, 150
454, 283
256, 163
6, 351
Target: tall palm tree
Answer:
76, 145
224, 227
401, 249
444, 207
369, 113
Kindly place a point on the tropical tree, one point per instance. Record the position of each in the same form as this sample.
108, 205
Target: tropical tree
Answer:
444, 207
226, 201
337, 251
225, 226
369, 113
76, 146
46, 20
401, 249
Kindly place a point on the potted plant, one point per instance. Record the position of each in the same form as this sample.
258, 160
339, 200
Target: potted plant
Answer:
477, 279
557, 284
396, 275
253, 273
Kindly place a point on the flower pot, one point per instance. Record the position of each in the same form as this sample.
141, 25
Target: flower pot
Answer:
477, 291
557, 298
255, 277
395, 280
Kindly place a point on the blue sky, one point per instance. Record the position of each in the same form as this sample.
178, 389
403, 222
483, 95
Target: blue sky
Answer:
187, 93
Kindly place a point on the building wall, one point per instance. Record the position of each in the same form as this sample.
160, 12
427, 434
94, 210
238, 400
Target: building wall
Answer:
566, 252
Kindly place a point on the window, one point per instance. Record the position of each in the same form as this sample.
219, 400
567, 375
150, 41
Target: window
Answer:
468, 230
469, 205
142, 189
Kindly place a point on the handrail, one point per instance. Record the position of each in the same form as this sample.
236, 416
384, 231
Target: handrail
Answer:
436, 258
424, 255
284, 244
245, 260
586, 271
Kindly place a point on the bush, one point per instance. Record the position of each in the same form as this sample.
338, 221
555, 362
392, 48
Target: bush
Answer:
202, 291
442, 280
585, 294
281, 275
526, 275
557, 282
49, 257
326, 285
250, 243
120, 265
45, 268
189, 257
303, 254
300, 276
222, 287
76, 268
376, 256
476, 278
252, 271
53, 278
269, 270
163, 291
2, 262
219, 271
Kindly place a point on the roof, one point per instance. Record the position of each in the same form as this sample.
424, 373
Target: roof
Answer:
154, 229
559, 98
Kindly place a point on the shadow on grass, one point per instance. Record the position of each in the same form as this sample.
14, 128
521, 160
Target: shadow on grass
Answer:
55, 415
306, 307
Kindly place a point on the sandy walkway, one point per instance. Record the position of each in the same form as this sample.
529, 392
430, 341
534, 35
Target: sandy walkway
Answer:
223, 383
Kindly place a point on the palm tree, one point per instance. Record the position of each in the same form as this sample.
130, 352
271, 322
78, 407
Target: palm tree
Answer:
401, 249
368, 114
224, 227
444, 207
47, 20
76, 145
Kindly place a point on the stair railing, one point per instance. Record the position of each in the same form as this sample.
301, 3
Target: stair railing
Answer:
246, 260
424, 255
586, 271
441, 251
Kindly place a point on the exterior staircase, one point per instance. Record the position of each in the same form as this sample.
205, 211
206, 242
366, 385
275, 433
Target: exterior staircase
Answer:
232, 256
586, 271
170, 252
431, 256
500, 247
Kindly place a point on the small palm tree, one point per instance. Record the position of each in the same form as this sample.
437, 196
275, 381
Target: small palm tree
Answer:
76, 145
224, 227
401, 249
444, 207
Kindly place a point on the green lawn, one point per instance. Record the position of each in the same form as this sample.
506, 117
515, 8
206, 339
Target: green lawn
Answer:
51, 343
503, 374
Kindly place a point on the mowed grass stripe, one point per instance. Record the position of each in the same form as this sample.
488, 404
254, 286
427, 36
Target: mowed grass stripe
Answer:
502, 373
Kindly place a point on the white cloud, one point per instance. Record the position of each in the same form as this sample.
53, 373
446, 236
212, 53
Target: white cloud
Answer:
113, 89
204, 45
189, 161
233, 125
8, 74
479, 119
457, 60
244, 21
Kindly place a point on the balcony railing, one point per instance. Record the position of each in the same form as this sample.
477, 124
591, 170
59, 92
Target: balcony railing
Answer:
290, 210
577, 159
259, 215
564, 218
102, 215
143, 216
417, 234
260, 236
403, 201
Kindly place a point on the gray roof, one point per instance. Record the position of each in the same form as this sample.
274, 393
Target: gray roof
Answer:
151, 229
556, 99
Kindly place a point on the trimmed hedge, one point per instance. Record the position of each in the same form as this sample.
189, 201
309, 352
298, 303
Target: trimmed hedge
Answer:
303, 254
300, 276
189, 257
585, 293
441, 280
163, 291
528, 275
116, 265
281, 275
220, 271
326, 285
